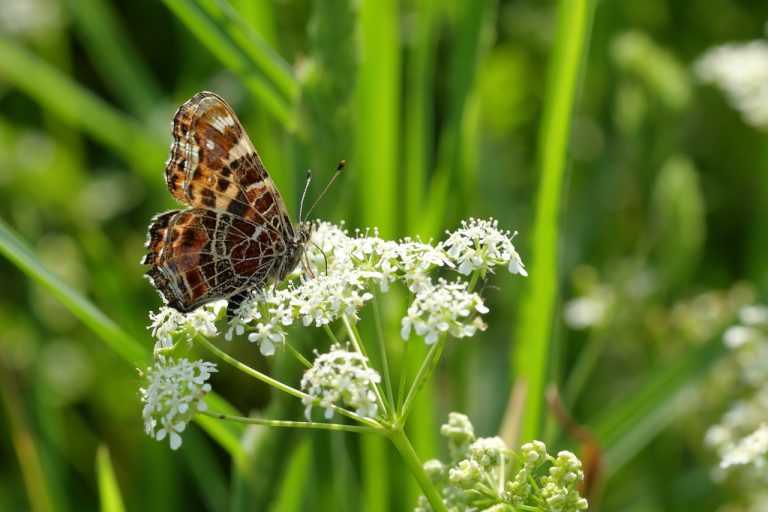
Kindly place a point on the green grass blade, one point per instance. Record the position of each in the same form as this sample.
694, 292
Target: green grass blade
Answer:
16, 250
534, 332
375, 478
378, 114
298, 470
227, 434
471, 18
629, 426
260, 15
419, 112
211, 473
261, 70
118, 64
39, 484
81, 108
254, 46
110, 499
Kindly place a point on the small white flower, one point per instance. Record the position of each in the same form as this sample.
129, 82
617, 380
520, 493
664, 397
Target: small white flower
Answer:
754, 315
589, 310
460, 434
444, 308
752, 449
479, 245
267, 335
738, 335
741, 71
466, 475
341, 378
533, 454
173, 396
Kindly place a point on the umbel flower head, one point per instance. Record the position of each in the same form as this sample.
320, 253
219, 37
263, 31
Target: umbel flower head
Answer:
476, 478
342, 378
342, 276
444, 308
174, 396
480, 245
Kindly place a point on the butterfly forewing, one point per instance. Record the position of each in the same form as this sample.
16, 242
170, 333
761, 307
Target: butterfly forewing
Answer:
237, 233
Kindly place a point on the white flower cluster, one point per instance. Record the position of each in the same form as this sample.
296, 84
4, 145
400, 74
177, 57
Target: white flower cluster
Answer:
741, 71
476, 478
445, 308
169, 326
750, 450
741, 437
340, 378
174, 396
479, 245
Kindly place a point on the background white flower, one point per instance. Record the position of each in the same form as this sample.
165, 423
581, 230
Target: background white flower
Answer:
740, 70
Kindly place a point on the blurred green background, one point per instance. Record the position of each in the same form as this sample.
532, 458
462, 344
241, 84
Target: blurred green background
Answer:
437, 107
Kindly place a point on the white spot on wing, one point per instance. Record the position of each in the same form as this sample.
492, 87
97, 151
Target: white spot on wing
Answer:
241, 149
257, 232
258, 184
191, 153
221, 123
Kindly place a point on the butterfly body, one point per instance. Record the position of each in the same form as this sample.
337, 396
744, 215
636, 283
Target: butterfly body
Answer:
236, 233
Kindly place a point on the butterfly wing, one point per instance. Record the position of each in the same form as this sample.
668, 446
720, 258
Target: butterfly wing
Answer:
237, 233
199, 255
213, 164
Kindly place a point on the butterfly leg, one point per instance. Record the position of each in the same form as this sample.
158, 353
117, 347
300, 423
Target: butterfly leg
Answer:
234, 303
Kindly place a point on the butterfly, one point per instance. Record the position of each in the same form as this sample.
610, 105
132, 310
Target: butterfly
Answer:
236, 234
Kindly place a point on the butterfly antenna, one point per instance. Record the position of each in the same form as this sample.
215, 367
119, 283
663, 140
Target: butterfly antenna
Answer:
304, 194
330, 182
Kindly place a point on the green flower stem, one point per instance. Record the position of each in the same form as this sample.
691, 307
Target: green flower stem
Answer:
296, 424
354, 335
473, 280
247, 369
411, 459
303, 360
382, 349
403, 377
425, 371
276, 383
330, 334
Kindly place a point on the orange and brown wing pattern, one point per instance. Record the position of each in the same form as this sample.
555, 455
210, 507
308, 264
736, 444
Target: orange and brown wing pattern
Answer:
199, 255
213, 164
